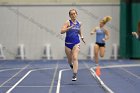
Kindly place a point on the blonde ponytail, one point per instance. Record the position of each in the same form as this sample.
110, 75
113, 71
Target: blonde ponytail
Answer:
106, 19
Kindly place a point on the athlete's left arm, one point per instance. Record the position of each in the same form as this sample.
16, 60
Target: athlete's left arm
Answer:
107, 35
80, 33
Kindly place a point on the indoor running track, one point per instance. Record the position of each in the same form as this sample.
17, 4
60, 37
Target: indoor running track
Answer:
54, 76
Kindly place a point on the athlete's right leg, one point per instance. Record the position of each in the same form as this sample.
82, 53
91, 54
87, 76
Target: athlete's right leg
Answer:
69, 56
96, 51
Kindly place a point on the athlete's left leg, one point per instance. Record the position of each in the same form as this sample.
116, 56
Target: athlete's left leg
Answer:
102, 51
75, 52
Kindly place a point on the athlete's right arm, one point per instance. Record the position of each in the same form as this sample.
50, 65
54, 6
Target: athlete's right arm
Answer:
93, 31
66, 27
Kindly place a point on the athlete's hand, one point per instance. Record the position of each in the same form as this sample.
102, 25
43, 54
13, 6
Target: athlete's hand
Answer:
103, 39
92, 33
135, 34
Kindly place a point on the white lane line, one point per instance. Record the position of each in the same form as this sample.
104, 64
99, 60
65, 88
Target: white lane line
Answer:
42, 69
24, 78
14, 75
124, 65
19, 81
21, 68
28, 86
114, 66
90, 85
52, 82
59, 80
131, 73
9, 69
105, 87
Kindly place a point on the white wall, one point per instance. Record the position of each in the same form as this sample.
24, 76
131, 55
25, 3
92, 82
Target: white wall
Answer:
29, 25
32, 2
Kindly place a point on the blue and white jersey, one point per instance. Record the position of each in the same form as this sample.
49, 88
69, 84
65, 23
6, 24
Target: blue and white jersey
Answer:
100, 34
72, 34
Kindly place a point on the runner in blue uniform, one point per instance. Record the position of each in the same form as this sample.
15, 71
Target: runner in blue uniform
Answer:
102, 35
72, 28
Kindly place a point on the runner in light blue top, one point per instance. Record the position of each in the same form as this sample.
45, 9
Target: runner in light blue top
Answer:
102, 35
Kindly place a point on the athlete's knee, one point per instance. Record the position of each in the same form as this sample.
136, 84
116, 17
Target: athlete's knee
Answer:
101, 55
75, 58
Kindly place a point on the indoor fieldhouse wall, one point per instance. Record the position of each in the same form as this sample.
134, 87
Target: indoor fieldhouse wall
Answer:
32, 2
37, 25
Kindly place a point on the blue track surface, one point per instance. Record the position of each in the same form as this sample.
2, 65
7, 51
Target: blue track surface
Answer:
122, 76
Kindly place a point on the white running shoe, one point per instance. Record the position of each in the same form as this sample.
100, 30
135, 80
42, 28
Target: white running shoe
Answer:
74, 78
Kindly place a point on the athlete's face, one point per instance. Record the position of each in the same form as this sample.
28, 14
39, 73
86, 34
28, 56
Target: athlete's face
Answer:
73, 15
101, 24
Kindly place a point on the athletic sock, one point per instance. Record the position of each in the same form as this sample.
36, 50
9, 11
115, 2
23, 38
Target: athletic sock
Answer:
71, 66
